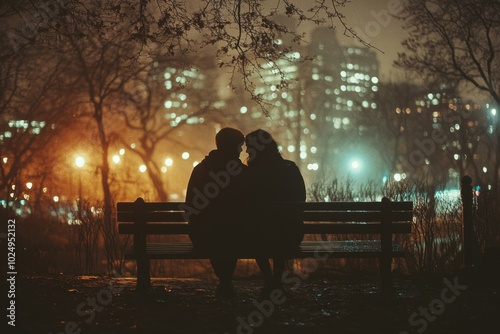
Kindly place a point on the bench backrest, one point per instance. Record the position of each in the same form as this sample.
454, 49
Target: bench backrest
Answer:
320, 217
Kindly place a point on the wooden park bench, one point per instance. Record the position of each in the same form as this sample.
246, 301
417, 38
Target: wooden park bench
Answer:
382, 221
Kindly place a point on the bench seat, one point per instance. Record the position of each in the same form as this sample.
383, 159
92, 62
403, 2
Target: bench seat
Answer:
320, 249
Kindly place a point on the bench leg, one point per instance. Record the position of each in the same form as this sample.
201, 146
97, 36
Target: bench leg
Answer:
143, 275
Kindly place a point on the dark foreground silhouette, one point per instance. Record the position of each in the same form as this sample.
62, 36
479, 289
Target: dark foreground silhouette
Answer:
323, 303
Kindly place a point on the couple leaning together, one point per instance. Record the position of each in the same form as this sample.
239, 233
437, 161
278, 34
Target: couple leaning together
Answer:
238, 215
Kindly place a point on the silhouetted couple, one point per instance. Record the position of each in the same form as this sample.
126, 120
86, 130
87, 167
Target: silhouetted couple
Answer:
233, 210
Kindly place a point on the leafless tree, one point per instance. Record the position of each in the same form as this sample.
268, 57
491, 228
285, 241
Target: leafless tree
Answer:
33, 109
456, 41
192, 100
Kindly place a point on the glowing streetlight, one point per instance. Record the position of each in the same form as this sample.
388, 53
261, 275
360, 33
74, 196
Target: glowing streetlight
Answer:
169, 162
116, 159
79, 161
355, 164
313, 166
142, 168
185, 155
29, 185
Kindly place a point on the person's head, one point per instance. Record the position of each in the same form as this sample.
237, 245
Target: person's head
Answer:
229, 141
261, 148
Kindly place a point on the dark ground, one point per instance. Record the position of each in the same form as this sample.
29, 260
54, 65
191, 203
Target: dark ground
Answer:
325, 303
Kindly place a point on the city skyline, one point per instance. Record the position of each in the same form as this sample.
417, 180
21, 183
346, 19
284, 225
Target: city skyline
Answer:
321, 100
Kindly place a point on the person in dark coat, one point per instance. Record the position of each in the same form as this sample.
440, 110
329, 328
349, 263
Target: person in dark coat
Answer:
277, 230
217, 195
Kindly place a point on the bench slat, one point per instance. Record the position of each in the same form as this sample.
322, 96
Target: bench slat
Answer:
309, 228
308, 206
354, 216
154, 217
357, 216
314, 249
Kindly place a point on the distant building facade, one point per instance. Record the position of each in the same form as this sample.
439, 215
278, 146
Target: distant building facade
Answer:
314, 118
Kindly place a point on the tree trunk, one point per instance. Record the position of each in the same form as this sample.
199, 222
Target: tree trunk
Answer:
158, 184
108, 227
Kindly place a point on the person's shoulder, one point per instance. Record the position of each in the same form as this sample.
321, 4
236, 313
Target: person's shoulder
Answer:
204, 166
289, 163
291, 168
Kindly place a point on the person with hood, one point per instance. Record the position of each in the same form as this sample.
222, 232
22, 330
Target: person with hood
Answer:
217, 197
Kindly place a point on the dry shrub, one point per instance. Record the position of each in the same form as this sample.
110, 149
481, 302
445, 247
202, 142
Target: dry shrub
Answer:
435, 242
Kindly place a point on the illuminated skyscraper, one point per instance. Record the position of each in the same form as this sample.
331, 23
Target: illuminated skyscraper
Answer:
282, 103
340, 85
179, 105
315, 117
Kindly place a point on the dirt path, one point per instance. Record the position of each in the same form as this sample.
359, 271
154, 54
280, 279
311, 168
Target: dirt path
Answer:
327, 304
